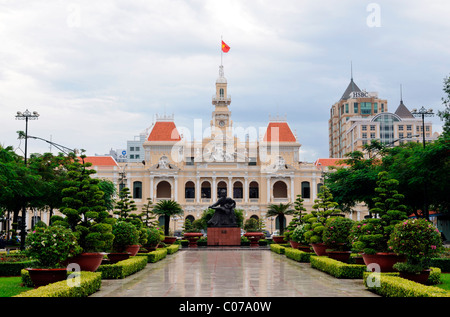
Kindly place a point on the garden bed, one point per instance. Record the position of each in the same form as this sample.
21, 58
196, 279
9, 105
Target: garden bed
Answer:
89, 283
336, 268
123, 268
391, 285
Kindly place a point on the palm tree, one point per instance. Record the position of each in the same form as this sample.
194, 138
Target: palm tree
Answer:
167, 208
280, 210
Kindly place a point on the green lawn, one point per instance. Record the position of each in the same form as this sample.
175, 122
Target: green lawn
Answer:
445, 279
11, 286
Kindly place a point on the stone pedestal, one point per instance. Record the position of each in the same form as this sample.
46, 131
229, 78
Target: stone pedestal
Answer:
226, 236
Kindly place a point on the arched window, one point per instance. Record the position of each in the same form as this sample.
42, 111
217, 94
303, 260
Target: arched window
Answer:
190, 218
189, 190
237, 190
280, 190
206, 190
319, 187
306, 190
137, 190
253, 191
221, 185
163, 190
221, 92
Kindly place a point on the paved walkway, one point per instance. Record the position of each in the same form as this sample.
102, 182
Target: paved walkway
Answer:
231, 273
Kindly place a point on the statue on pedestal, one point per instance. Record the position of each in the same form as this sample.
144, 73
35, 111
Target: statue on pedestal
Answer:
224, 211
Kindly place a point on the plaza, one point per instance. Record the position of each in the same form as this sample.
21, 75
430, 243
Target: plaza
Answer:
231, 272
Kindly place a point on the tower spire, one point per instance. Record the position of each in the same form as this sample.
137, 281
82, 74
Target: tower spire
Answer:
351, 70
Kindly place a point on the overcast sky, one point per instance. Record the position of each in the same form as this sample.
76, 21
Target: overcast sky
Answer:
99, 71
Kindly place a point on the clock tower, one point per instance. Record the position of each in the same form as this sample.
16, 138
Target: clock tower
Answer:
221, 117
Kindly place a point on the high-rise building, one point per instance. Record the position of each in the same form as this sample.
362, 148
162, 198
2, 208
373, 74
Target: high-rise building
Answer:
360, 117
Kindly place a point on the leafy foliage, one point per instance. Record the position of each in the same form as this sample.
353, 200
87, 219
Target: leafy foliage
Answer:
51, 246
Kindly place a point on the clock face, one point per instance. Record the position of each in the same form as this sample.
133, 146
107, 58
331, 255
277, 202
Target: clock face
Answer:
221, 123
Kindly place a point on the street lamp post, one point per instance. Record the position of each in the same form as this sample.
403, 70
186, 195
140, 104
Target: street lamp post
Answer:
424, 113
26, 115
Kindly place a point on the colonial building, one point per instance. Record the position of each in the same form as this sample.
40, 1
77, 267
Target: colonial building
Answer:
255, 172
360, 116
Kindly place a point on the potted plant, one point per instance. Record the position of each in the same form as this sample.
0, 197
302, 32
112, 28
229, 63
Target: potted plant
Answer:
298, 239
253, 231
50, 246
167, 208
371, 235
419, 240
192, 232
336, 238
125, 234
279, 211
315, 222
154, 238
85, 211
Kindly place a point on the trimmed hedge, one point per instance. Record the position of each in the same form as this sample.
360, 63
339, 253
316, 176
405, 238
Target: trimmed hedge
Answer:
173, 248
297, 255
154, 256
337, 268
391, 285
442, 263
123, 268
90, 282
14, 268
277, 248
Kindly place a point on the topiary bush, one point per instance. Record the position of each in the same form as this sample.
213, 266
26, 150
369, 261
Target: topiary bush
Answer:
125, 234
419, 240
336, 233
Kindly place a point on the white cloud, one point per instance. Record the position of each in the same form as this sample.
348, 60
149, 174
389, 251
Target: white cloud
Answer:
98, 71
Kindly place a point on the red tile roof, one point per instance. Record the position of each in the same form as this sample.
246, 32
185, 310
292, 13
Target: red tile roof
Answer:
330, 162
164, 131
279, 132
101, 160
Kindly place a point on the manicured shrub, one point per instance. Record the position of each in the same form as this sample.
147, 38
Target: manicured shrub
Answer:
419, 240
277, 248
154, 256
297, 255
123, 268
172, 248
337, 268
89, 283
390, 285
336, 233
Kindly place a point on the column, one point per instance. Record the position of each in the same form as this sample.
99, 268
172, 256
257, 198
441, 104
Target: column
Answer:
245, 189
197, 189
230, 187
176, 188
268, 189
292, 189
151, 188
314, 187
214, 189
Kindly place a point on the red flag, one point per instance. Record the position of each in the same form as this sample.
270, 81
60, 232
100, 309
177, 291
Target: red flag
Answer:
225, 47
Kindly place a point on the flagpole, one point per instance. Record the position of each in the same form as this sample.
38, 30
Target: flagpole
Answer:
221, 51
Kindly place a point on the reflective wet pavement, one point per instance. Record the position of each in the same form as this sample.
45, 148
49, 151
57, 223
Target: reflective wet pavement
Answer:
231, 273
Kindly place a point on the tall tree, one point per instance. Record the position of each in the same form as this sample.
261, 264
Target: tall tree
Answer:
167, 208
280, 210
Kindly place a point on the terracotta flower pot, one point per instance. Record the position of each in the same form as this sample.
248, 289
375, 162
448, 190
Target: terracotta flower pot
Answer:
118, 256
41, 277
420, 277
342, 256
133, 249
192, 237
385, 260
170, 240
319, 248
278, 239
89, 261
294, 244
254, 237
305, 248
